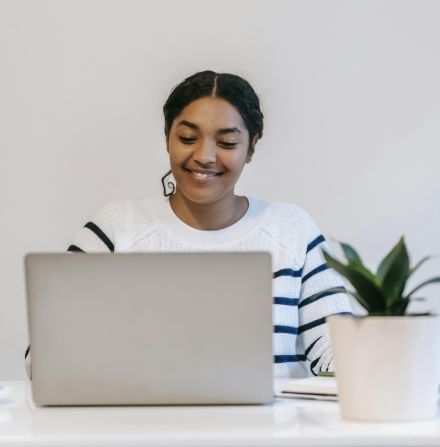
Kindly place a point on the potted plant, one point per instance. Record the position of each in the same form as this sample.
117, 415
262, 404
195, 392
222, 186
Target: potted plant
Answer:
387, 362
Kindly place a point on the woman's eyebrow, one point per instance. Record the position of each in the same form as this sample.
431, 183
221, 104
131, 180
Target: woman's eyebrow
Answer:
219, 132
188, 124
228, 130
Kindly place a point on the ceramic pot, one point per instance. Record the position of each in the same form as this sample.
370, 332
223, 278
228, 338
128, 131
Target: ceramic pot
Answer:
387, 368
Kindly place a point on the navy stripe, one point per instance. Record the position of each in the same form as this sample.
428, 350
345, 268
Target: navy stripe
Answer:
326, 369
306, 353
315, 271
312, 324
288, 272
315, 242
313, 364
278, 329
286, 301
27, 351
75, 249
320, 295
289, 358
93, 227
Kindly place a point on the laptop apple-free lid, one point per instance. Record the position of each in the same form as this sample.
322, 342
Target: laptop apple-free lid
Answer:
150, 328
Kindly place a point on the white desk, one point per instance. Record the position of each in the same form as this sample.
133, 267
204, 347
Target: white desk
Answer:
288, 422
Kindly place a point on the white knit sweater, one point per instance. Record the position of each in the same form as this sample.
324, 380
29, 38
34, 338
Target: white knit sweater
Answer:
305, 289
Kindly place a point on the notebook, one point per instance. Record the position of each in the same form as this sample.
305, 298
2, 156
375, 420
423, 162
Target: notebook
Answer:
322, 388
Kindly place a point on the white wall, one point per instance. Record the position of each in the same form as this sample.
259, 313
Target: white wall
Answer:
350, 91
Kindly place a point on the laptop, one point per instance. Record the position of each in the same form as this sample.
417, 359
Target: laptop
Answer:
150, 328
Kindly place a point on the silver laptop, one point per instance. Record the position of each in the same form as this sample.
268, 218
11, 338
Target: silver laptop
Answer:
150, 328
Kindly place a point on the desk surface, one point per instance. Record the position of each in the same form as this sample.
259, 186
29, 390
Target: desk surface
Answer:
294, 422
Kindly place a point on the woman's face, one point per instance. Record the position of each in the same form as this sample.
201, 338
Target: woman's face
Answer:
208, 148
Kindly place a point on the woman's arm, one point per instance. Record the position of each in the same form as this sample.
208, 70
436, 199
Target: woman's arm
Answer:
96, 236
27, 362
322, 294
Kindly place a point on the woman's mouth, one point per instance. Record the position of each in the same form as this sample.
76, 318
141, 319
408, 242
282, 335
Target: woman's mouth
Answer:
203, 175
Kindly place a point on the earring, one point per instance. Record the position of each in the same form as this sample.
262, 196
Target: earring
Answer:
170, 185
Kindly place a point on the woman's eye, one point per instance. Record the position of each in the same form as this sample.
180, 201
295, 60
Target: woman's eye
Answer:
190, 140
227, 145
187, 140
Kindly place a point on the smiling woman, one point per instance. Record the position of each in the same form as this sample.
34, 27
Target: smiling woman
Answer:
213, 122
208, 149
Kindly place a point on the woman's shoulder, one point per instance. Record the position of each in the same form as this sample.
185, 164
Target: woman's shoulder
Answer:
126, 209
289, 225
288, 213
126, 215
121, 222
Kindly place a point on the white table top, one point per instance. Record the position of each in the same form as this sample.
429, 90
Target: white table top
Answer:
293, 422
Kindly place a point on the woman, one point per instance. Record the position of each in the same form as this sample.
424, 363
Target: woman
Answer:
212, 125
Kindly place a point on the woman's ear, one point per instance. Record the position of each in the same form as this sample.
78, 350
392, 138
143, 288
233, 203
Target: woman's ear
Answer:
251, 149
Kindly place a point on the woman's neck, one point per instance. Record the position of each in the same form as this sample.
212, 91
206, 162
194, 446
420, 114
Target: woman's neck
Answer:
209, 216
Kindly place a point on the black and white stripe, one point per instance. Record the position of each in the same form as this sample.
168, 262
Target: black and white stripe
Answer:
101, 235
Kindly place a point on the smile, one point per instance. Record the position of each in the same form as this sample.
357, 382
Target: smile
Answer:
199, 174
203, 176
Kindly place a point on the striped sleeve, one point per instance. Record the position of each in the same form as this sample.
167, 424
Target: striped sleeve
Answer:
27, 362
97, 235
322, 294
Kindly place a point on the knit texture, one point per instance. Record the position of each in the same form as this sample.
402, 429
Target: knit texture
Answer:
305, 290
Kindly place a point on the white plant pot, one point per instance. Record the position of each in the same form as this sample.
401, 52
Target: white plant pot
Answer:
387, 368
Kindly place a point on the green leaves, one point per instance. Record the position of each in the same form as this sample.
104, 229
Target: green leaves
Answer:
380, 293
398, 306
422, 261
351, 254
362, 280
393, 272
355, 261
425, 283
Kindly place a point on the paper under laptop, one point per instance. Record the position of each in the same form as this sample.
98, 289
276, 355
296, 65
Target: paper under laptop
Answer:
321, 388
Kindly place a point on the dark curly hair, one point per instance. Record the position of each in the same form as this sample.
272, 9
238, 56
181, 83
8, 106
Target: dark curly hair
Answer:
234, 89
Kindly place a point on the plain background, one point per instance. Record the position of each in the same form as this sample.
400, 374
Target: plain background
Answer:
349, 89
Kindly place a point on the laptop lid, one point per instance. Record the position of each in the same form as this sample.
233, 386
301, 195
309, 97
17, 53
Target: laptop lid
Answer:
150, 328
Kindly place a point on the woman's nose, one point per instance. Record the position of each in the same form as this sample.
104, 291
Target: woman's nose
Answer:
206, 152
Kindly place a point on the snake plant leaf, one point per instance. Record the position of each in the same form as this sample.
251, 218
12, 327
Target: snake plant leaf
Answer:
350, 254
398, 307
422, 261
362, 269
393, 272
355, 260
389, 259
423, 284
368, 289
360, 300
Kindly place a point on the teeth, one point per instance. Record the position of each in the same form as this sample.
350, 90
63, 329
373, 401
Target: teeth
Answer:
200, 175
